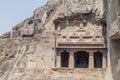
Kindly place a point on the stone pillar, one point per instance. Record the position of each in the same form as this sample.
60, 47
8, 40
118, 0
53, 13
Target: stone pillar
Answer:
104, 62
71, 59
58, 60
91, 60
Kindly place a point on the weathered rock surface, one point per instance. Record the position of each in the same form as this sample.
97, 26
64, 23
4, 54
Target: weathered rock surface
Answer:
113, 20
28, 52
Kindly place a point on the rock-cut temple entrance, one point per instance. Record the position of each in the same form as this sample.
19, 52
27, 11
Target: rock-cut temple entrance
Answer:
81, 59
80, 43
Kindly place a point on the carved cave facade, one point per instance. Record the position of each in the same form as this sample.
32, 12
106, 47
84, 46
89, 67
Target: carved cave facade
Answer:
28, 29
80, 43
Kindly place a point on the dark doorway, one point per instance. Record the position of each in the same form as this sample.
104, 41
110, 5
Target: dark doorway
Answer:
27, 35
81, 59
98, 59
64, 59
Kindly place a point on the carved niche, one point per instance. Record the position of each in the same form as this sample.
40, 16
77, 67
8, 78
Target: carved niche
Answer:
28, 29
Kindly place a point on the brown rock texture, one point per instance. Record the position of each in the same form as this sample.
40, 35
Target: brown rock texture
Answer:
32, 49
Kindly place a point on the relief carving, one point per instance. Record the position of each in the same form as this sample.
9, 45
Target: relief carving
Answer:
79, 30
59, 30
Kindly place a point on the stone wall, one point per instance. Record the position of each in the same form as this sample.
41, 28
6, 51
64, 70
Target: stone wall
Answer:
113, 29
115, 59
114, 18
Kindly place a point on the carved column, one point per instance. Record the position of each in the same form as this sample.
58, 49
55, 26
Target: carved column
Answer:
91, 60
58, 60
104, 62
71, 59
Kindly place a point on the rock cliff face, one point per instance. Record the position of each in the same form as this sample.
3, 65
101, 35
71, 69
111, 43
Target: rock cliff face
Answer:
113, 20
53, 10
28, 52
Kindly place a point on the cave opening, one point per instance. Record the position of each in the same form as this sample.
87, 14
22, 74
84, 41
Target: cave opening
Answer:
81, 59
64, 59
28, 35
98, 59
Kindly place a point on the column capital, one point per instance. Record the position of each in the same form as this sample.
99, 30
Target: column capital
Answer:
90, 51
71, 53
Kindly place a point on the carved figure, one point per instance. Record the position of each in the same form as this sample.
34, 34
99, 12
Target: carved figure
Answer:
81, 37
87, 31
59, 30
81, 26
94, 37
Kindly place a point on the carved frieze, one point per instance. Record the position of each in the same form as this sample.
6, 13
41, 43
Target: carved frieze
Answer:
89, 33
